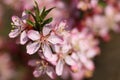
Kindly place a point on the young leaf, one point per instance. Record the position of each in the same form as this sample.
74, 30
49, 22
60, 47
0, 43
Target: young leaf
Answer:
37, 6
29, 12
37, 12
45, 12
30, 23
42, 13
47, 21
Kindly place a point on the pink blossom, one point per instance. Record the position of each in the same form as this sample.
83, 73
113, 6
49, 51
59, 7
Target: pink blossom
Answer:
64, 58
52, 60
96, 27
43, 40
85, 50
42, 68
112, 18
19, 28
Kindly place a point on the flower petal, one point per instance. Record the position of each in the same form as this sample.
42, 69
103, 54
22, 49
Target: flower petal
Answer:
14, 33
33, 47
66, 48
87, 62
53, 59
50, 72
33, 62
61, 27
54, 39
56, 48
75, 56
23, 37
69, 61
59, 67
46, 30
37, 72
33, 35
47, 51
92, 53
17, 21
89, 65
24, 16
40, 52
82, 58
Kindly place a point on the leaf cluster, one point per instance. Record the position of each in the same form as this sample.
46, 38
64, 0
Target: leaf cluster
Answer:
39, 17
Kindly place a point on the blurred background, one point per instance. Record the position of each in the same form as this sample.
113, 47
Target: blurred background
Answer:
13, 57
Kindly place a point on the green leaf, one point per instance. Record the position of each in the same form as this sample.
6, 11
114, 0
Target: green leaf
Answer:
29, 12
39, 17
36, 22
30, 23
42, 13
37, 12
36, 5
46, 21
45, 12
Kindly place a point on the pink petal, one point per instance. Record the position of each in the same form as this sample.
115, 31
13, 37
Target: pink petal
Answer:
33, 35
89, 65
92, 53
32, 47
14, 33
69, 61
37, 73
46, 30
23, 37
50, 72
66, 48
59, 67
83, 58
40, 52
17, 21
84, 45
32, 63
47, 51
54, 39
75, 56
56, 48
24, 16
53, 59
61, 26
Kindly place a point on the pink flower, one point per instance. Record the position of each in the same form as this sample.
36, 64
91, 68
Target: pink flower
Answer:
112, 18
61, 28
96, 27
64, 58
19, 26
42, 67
43, 40
52, 59
23, 38
84, 48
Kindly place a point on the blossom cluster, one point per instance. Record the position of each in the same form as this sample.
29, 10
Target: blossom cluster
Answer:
103, 16
56, 45
94, 12
66, 39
